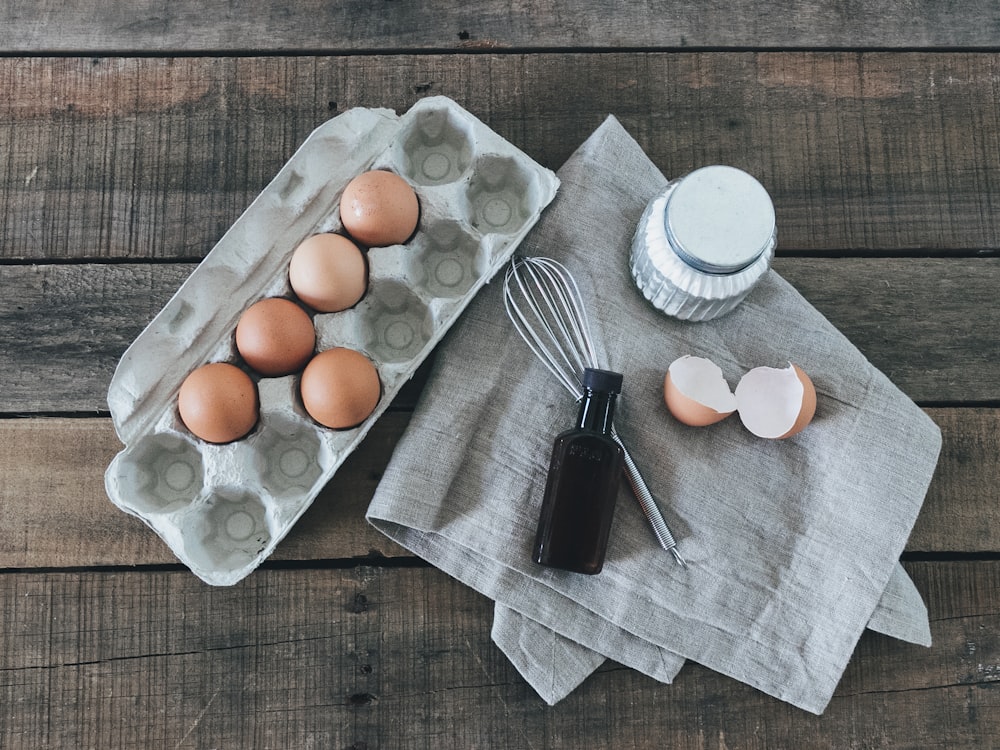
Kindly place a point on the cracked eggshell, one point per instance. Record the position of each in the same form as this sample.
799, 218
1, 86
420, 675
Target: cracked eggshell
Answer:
776, 402
696, 392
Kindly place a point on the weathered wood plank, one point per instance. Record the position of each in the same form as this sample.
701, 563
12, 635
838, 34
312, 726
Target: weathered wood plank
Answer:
925, 323
961, 511
155, 25
147, 157
55, 513
930, 324
64, 328
402, 658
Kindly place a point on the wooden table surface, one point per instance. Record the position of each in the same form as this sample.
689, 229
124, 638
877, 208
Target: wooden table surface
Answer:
133, 134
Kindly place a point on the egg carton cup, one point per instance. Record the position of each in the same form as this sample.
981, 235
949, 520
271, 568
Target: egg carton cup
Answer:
222, 509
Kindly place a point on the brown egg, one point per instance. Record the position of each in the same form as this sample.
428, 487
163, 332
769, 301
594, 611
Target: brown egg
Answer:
328, 272
218, 403
340, 388
275, 337
379, 208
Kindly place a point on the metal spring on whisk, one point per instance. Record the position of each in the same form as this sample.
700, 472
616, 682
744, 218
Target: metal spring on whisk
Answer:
648, 503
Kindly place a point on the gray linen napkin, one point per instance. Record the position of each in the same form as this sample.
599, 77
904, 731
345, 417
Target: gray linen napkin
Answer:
555, 665
793, 545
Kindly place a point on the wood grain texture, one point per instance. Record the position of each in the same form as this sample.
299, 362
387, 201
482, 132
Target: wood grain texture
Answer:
402, 658
962, 508
63, 328
352, 25
911, 318
55, 512
155, 158
134, 133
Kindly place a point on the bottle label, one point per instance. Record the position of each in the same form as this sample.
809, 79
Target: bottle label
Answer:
586, 453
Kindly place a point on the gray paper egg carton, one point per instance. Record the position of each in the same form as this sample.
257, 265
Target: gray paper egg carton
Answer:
222, 509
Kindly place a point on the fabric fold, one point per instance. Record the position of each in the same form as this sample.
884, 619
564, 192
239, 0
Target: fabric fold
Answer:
554, 666
901, 612
793, 545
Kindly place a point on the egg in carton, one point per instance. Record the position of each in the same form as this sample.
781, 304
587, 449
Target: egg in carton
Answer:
222, 508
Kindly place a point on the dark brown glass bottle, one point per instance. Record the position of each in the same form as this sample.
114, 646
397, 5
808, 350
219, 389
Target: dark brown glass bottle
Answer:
582, 486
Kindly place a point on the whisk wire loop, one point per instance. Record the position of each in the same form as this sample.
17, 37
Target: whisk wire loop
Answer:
552, 323
529, 333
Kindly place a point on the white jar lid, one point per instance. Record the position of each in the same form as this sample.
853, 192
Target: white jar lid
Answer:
719, 219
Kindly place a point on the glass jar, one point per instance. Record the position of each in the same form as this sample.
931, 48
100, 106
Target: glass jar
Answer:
704, 242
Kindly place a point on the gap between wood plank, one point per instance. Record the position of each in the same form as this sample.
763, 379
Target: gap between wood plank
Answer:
824, 254
390, 563
485, 47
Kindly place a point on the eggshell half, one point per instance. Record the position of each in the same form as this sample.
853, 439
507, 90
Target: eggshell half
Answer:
776, 402
696, 392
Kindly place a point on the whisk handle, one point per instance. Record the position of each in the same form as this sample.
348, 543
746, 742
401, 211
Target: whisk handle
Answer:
648, 503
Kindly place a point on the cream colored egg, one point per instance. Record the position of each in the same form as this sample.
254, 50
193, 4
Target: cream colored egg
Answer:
328, 272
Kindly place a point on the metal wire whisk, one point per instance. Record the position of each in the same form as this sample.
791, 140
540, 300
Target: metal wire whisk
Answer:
544, 303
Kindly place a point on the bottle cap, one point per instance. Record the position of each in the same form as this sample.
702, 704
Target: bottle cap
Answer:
602, 380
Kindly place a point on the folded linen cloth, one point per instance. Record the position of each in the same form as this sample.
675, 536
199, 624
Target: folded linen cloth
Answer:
793, 545
554, 665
